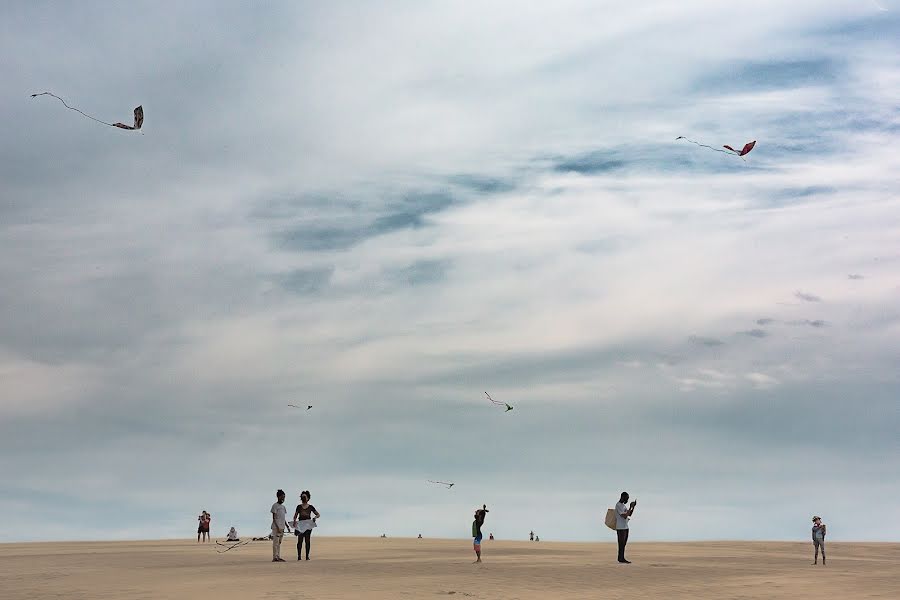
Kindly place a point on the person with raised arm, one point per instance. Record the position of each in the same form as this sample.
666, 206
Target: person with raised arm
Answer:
624, 512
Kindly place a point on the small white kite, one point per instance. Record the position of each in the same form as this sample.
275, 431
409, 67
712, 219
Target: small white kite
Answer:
508, 407
449, 485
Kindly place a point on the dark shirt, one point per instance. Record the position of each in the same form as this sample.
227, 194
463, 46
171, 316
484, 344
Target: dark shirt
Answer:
305, 513
479, 520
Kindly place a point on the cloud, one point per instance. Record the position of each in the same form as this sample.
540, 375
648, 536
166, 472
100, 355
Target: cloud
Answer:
591, 163
630, 364
483, 184
757, 333
761, 380
807, 297
773, 75
705, 341
855, 276
396, 210
305, 281
817, 323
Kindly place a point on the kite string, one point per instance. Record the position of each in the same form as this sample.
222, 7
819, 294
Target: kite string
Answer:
681, 137
72, 108
704, 145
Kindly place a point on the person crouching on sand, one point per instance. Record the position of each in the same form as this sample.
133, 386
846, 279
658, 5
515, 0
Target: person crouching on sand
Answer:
623, 513
480, 514
279, 522
818, 538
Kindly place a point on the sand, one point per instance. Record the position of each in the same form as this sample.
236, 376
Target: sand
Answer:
410, 568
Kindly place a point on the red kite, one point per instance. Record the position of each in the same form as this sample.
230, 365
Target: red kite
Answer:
138, 114
745, 150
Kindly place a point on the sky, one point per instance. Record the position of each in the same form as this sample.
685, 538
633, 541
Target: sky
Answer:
384, 210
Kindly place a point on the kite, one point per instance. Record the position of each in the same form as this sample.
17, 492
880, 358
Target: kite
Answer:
449, 485
231, 546
295, 406
508, 407
739, 153
138, 114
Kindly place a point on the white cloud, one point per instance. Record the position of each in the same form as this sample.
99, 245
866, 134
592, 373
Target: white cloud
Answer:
145, 307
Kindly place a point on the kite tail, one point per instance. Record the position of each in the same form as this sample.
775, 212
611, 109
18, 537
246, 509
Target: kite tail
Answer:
72, 108
681, 137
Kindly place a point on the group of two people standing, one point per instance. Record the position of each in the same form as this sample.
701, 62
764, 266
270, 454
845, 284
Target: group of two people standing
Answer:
203, 527
303, 523
624, 511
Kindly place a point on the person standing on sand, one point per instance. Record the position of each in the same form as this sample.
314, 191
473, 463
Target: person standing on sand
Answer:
203, 526
531, 536
623, 513
818, 538
279, 522
480, 514
304, 522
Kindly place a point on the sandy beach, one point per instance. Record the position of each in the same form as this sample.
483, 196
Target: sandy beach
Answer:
410, 568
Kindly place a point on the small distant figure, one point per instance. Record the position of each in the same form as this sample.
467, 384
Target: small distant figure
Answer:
279, 522
623, 513
818, 538
383, 535
203, 527
480, 514
420, 536
537, 538
232, 536
491, 537
531, 537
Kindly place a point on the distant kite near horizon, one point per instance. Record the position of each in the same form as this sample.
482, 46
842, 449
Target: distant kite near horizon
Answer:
295, 406
508, 407
138, 114
449, 485
739, 153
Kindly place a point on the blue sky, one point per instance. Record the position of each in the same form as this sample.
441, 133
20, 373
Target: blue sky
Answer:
386, 210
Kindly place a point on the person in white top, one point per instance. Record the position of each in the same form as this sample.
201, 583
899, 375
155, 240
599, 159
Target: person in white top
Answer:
279, 522
232, 536
623, 513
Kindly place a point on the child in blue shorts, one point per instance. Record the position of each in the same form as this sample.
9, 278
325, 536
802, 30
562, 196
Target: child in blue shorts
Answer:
476, 530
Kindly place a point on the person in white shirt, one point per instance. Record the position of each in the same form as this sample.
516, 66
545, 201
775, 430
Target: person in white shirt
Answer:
232, 536
623, 513
279, 522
